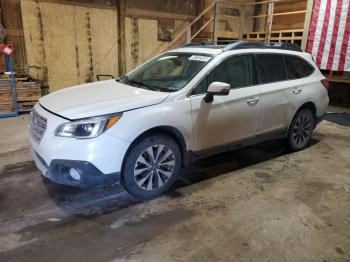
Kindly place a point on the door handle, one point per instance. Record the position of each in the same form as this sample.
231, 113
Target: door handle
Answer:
296, 91
253, 101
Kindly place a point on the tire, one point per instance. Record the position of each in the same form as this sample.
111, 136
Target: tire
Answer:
152, 166
300, 130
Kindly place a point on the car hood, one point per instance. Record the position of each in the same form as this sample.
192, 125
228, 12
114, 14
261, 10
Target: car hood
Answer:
99, 98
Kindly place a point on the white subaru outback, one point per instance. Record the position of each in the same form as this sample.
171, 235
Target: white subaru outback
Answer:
141, 129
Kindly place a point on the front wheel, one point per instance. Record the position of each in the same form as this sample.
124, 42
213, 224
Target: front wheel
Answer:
301, 128
152, 166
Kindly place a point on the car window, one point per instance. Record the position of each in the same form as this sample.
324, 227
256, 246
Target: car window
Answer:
270, 68
297, 67
171, 66
234, 71
167, 73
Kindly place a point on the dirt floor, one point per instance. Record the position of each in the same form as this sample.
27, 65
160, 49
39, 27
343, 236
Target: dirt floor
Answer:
259, 203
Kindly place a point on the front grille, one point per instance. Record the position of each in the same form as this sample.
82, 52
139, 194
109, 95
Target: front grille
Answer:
37, 125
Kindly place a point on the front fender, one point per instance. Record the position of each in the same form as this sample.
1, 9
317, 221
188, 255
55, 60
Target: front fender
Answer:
174, 114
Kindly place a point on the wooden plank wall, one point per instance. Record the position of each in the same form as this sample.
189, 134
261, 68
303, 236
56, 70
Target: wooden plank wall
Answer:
289, 22
279, 22
69, 49
11, 20
142, 26
70, 42
141, 40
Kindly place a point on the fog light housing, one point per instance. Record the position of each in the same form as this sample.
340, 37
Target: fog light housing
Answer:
74, 173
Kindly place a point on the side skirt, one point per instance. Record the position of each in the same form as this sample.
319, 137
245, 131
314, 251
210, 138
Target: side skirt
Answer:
192, 156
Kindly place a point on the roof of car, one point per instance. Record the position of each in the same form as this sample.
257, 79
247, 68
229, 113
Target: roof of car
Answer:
215, 48
199, 50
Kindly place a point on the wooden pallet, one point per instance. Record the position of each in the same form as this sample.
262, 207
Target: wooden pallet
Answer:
27, 95
6, 100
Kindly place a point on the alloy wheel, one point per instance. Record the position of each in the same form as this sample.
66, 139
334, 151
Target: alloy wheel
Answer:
154, 167
302, 130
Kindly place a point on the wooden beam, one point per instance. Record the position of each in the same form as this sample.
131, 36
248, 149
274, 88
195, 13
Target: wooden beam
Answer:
188, 35
279, 14
241, 24
132, 12
14, 32
216, 21
309, 8
179, 35
269, 1
202, 27
269, 22
121, 37
65, 2
228, 34
228, 3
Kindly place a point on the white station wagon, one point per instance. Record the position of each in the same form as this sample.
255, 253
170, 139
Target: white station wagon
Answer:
141, 129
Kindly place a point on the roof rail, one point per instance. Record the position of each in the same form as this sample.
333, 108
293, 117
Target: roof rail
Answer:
284, 45
206, 43
236, 44
243, 45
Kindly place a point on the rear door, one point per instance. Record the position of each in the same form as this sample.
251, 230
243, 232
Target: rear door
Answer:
280, 77
275, 102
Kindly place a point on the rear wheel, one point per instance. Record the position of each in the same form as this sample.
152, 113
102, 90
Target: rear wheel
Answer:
301, 128
152, 166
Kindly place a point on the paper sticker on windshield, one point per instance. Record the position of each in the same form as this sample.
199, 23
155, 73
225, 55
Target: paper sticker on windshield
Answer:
200, 58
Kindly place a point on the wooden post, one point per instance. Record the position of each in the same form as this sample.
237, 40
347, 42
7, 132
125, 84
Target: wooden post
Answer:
188, 35
216, 21
269, 19
241, 23
310, 5
121, 37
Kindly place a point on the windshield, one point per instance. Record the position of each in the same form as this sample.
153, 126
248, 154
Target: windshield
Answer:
167, 73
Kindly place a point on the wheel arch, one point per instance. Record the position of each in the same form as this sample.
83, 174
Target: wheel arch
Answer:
170, 131
309, 105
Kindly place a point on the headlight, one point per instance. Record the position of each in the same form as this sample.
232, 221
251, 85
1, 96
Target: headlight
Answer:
87, 128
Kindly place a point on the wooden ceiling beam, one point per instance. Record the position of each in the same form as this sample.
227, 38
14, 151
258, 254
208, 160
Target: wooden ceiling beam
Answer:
82, 4
134, 12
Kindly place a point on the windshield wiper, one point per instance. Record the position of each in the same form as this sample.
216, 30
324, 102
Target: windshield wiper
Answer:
120, 78
151, 87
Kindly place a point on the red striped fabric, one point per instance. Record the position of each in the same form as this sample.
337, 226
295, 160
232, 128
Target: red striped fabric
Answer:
329, 34
321, 46
335, 34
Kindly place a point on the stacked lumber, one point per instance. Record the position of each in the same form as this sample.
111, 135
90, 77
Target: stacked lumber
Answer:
28, 93
6, 99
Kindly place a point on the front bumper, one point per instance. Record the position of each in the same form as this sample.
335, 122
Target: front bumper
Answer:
98, 161
90, 176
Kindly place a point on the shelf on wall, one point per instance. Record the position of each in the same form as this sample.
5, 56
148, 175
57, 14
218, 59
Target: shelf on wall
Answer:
337, 76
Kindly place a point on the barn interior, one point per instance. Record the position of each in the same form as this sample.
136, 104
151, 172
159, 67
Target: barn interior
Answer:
265, 205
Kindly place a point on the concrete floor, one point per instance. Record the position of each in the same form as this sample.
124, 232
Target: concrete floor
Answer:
254, 204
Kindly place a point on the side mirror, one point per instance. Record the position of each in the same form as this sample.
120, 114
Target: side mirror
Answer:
216, 89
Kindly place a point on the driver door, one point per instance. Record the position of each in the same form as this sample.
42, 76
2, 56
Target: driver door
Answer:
230, 118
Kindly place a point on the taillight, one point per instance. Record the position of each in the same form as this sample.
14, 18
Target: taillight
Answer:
325, 83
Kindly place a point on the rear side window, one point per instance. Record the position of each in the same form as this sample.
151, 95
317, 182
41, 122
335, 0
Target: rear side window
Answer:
270, 68
297, 67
